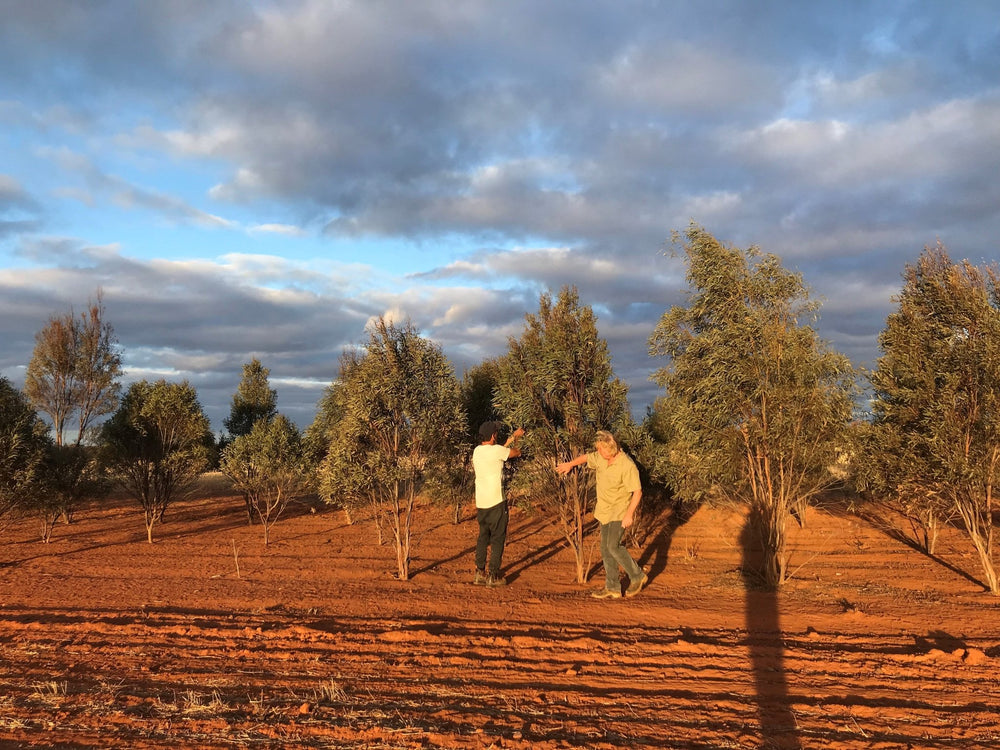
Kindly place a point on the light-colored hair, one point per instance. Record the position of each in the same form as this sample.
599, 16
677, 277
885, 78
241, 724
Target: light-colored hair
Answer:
606, 439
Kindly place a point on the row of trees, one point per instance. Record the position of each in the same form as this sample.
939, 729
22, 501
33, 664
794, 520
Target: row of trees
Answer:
756, 410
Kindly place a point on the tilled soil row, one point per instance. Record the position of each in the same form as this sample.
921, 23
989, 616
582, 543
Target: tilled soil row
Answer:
167, 678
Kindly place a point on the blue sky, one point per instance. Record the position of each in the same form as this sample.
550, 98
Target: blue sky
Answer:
262, 179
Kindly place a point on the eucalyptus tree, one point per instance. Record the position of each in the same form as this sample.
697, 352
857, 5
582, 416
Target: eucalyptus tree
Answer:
268, 466
756, 406
400, 420
934, 442
453, 483
72, 473
24, 444
556, 381
156, 445
75, 370
253, 401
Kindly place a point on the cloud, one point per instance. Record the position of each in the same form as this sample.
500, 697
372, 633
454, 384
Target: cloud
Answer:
450, 162
128, 196
19, 212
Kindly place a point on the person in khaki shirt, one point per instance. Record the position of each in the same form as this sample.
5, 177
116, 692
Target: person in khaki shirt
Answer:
618, 494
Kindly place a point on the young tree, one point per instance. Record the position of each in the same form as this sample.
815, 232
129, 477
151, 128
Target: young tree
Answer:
253, 401
344, 488
757, 405
268, 465
23, 446
156, 444
75, 369
935, 433
72, 472
401, 415
556, 382
478, 388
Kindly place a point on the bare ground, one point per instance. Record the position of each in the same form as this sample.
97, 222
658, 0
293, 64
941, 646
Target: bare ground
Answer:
108, 641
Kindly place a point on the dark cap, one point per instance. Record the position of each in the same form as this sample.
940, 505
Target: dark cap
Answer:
488, 430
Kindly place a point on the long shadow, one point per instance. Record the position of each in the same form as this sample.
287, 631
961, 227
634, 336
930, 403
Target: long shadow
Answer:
778, 728
515, 535
656, 554
897, 534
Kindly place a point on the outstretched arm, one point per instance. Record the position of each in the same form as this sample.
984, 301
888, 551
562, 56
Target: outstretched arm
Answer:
566, 466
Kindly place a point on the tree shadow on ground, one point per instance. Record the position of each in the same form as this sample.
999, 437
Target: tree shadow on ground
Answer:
778, 727
668, 517
891, 523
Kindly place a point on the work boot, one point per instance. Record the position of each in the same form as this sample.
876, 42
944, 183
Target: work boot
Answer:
634, 587
481, 578
606, 594
495, 580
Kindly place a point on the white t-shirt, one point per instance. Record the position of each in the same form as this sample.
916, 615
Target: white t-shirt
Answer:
487, 461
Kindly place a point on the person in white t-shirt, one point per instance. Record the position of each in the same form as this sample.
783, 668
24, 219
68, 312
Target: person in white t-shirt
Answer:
491, 506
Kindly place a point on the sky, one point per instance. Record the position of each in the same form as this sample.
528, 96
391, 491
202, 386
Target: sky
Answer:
263, 179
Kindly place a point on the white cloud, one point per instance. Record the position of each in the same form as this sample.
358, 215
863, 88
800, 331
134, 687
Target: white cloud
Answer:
285, 229
509, 149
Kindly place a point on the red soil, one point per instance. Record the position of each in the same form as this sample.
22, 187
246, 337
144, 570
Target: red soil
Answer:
108, 641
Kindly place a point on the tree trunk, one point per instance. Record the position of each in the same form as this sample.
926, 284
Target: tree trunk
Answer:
979, 526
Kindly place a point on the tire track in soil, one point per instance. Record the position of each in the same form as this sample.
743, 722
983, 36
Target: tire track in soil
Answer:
162, 679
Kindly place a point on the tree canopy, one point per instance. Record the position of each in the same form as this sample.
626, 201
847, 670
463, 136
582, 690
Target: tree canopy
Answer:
400, 418
253, 401
756, 405
268, 466
23, 448
934, 442
156, 444
556, 382
74, 369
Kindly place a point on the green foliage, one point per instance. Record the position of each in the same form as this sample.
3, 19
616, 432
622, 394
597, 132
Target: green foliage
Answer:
933, 448
74, 369
756, 406
24, 443
156, 444
253, 401
400, 420
479, 386
329, 412
269, 467
557, 382
71, 472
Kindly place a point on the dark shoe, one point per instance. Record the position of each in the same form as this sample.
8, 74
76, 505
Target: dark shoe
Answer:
606, 594
481, 578
496, 581
635, 586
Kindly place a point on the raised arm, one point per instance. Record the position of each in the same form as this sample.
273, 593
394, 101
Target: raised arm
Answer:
510, 444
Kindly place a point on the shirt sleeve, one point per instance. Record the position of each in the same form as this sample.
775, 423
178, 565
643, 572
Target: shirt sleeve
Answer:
631, 478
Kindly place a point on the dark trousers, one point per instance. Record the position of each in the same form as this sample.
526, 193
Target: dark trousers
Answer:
613, 553
492, 535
